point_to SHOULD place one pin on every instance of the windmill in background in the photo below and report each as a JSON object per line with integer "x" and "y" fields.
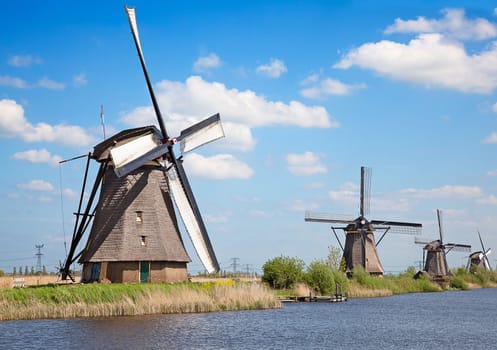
{"x": 480, "y": 258}
{"x": 360, "y": 245}
{"x": 135, "y": 235}
{"x": 435, "y": 252}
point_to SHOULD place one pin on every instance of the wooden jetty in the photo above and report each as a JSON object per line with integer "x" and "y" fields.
{"x": 334, "y": 298}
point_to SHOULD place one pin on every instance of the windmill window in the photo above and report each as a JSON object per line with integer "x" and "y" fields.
{"x": 143, "y": 240}
{"x": 139, "y": 217}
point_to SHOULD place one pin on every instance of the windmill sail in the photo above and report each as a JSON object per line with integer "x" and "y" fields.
{"x": 193, "y": 137}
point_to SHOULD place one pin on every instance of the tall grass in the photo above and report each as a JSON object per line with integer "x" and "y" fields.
{"x": 97, "y": 300}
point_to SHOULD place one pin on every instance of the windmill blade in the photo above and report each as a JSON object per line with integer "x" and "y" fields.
{"x": 488, "y": 252}
{"x": 408, "y": 228}
{"x": 481, "y": 241}
{"x": 131, "y": 155}
{"x": 458, "y": 247}
{"x": 206, "y": 131}
{"x": 423, "y": 241}
{"x": 440, "y": 225}
{"x": 130, "y": 12}
{"x": 329, "y": 218}
{"x": 365, "y": 191}
{"x": 190, "y": 215}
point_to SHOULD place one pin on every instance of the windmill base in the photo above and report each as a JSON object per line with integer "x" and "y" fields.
{"x": 134, "y": 272}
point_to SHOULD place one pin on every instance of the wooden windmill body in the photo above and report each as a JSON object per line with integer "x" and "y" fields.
{"x": 360, "y": 244}
{"x": 435, "y": 253}
{"x": 135, "y": 236}
{"x": 479, "y": 258}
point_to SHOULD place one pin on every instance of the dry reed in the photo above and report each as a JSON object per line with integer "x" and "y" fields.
{"x": 70, "y": 301}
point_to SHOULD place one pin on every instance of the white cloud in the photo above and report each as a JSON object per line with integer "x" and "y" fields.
{"x": 187, "y": 103}
{"x": 36, "y": 185}
{"x": 205, "y": 63}
{"x": 50, "y": 84}
{"x": 492, "y": 173}
{"x": 448, "y": 191}
{"x": 14, "y": 82}
{"x": 494, "y": 107}
{"x": 274, "y": 69}
{"x": 454, "y": 24}
{"x": 492, "y": 138}
{"x": 429, "y": 59}
{"x": 305, "y": 164}
{"x": 325, "y": 87}
{"x": 14, "y": 124}
{"x": 79, "y": 80}
{"x": 218, "y": 167}
{"x": 23, "y": 60}
{"x": 38, "y": 156}
{"x": 217, "y": 219}
{"x": 487, "y": 200}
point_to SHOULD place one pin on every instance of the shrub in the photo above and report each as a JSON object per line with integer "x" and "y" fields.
{"x": 283, "y": 272}
{"x": 320, "y": 277}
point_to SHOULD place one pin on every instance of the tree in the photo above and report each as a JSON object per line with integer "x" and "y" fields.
{"x": 26, "y": 271}
{"x": 320, "y": 277}
{"x": 334, "y": 259}
{"x": 44, "y": 270}
{"x": 283, "y": 272}
{"x": 15, "y": 271}
{"x": 20, "y": 270}
{"x": 2, "y": 273}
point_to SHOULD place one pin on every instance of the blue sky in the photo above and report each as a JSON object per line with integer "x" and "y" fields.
{"x": 308, "y": 91}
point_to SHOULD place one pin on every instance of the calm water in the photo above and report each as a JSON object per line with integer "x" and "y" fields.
{"x": 449, "y": 320}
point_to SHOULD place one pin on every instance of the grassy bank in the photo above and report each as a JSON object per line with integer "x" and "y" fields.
{"x": 363, "y": 285}
{"x": 99, "y": 300}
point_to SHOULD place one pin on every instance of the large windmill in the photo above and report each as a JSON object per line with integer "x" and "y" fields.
{"x": 435, "y": 252}
{"x": 480, "y": 258}
{"x": 360, "y": 245}
{"x": 134, "y": 233}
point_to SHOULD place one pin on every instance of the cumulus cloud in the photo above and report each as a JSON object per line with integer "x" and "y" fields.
{"x": 23, "y": 60}
{"x": 38, "y": 156}
{"x": 430, "y": 60}
{"x": 492, "y": 138}
{"x": 436, "y": 57}
{"x": 205, "y": 63}
{"x": 187, "y": 103}
{"x": 218, "y": 167}
{"x": 13, "y": 82}
{"x": 320, "y": 88}
{"x": 37, "y": 185}
{"x": 305, "y": 164}
{"x": 274, "y": 69}
{"x": 13, "y": 124}
{"x": 494, "y": 107}
{"x": 448, "y": 191}
{"x": 453, "y": 24}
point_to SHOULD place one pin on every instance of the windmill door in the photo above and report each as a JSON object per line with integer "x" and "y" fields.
{"x": 144, "y": 271}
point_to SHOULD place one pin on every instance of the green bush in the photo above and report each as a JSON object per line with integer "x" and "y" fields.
{"x": 283, "y": 272}
{"x": 320, "y": 277}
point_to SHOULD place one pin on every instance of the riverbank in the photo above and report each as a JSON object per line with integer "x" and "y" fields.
{"x": 104, "y": 300}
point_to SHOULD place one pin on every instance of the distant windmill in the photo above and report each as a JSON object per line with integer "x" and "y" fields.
{"x": 360, "y": 246}
{"x": 435, "y": 252}
{"x": 135, "y": 234}
{"x": 480, "y": 258}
